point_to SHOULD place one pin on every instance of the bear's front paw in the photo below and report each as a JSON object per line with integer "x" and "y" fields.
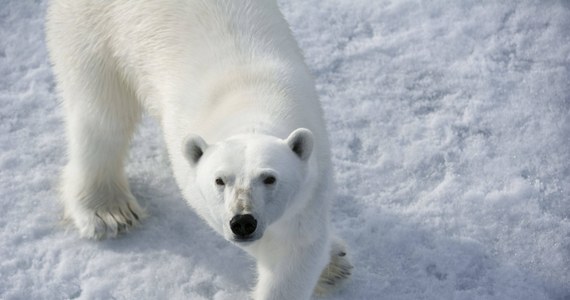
{"x": 108, "y": 222}
{"x": 336, "y": 272}
{"x": 101, "y": 215}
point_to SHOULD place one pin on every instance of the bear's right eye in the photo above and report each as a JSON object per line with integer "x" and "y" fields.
{"x": 269, "y": 180}
{"x": 220, "y": 182}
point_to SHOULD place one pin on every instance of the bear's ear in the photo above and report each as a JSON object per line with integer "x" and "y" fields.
{"x": 301, "y": 143}
{"x": 194, "y": 147}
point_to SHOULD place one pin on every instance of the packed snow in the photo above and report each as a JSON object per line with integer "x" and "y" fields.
{"x": 450, "y": 128}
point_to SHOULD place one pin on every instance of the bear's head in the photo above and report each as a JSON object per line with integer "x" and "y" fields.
{"x": 244, "y": 184}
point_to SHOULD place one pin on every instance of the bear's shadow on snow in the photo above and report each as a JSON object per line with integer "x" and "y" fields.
{"x": 393, "y": 256}
{"x": 173, "y": 227}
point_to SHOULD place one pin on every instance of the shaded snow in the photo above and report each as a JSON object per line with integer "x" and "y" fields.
{"x": 450, "y": 125}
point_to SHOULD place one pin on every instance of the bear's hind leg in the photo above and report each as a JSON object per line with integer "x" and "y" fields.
{"x": 101, "y": 115}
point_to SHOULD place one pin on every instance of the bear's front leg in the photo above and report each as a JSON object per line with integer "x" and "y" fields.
{"x": 337, "y": 271}
{"x": 100, "y": 118}
{"x": 290, "y": 273}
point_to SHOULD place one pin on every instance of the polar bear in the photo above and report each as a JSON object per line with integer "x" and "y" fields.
{"x": 240, "y": 116}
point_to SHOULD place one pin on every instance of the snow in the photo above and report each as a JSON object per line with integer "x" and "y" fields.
{"x": 450, "y": 126}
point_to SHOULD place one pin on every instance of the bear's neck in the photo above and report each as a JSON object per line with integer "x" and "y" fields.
{"x": 260, "y": 97}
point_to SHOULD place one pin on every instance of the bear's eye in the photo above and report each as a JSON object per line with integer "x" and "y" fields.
{"x": 269, "y": 180}
{"x": 220, "y": 182}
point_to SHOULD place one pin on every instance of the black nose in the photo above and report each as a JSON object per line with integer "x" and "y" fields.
{"x": 243, "y": 225}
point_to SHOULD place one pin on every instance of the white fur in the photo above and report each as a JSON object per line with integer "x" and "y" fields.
{"x": 228, "y": 83}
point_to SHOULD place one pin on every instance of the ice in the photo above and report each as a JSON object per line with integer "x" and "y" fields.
{"x": 450, "y": 128}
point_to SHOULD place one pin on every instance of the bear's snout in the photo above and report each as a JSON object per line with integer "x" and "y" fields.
{"x": 243, "y": 226}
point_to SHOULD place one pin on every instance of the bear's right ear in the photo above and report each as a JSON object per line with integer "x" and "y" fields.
{"x": 194, "y": 147}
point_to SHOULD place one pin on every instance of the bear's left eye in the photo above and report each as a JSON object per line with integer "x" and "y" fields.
{"x": 220, "y": 182}
{"x": 269, "y": 180}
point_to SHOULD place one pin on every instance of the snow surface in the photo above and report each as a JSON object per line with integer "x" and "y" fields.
{"x": 450, "y": 125}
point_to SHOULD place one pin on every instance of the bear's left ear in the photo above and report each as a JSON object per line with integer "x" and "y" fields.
{"x": 194, "y": 148}
{"x": 301, "y": 143}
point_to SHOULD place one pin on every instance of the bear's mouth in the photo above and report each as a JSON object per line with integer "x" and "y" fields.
{"x": 245, "y": 240}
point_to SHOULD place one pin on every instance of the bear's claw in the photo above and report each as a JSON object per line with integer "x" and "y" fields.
{"x": 108, "y": 223}
{"x": 108, "y": 220}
